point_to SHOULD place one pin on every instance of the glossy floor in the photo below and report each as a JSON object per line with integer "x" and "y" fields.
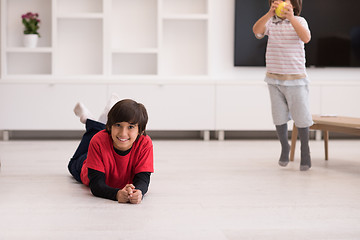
{"x": 201, "y": 190}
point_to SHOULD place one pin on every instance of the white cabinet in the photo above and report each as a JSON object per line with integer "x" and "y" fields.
{"x": 106, "y": 38}
{"x": 48, "y": 106}
{"x": 173, "y": 107}
{"x": 78, "y": 32}
{"x": 15, "y": 59}
{"x": 315, "y": 99}
{"x": 134, "y": 35}
{"x": 243, "y": 107}
{"x": 154, "y": 51}
{"x": 341, "y": 100}
{"x": 248, "y": 107}
{"x": 78, "y": 51}
{"x": 91, "y": 48}
{"x": 184, "y": 48}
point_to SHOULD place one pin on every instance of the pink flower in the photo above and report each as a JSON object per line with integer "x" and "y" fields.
{"x": 31, "y": 23}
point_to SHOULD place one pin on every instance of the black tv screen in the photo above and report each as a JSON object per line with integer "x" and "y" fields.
{"x": 334, "y": 26}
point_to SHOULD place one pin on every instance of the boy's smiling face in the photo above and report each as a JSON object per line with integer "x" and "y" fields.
{"x": 124, "y": 135}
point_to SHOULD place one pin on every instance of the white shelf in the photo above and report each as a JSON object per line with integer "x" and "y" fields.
{"x": 134, "y": 63}
{"x": 185, "y": 7}
{"x": 13, "y": 28}
{"x": 79, "y": 6}
{"x": 31, "y": 63}
{"x": 129, "y": 30}
{"x": 154, "y": 51}
{"x": 81, "y": 16}
{"x": 186, "y": 17}
{"x": 136, "y": 50}
{"x": 106, "y": 38}
{"x": 79, "y": 52}
{"x": 28, "y": 50}
{"x": 184, "y": 48}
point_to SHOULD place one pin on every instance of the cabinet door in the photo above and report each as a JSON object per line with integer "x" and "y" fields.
{"x": 173, "y": 107}
{"x": 243, "y": 107}
{"x": 47, "y": 106}
{"x": 341, "y": 100}
{"x": 315, "y": 99}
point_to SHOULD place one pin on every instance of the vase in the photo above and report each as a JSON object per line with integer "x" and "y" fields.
{"x": 30, "y": 40}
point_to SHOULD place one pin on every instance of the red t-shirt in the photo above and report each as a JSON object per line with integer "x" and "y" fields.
{"x": 119, "y": 170}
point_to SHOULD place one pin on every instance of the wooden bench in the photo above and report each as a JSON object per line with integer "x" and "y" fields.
{"x": 326, "y": 124}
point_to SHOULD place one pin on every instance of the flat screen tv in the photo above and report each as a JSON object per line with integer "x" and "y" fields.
{"x": 334, "y": 26}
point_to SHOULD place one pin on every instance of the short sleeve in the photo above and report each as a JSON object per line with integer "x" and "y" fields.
{"x": 267, "y": 27}
{"x": 94, "y": 157}
{"x": 145, "y": 160}
{"x": 303, "y": 22}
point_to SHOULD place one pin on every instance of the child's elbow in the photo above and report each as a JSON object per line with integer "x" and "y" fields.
{"x": 258, "y": 35}
{"x": 306, "y": 40}
{"x": 257, "y": 32}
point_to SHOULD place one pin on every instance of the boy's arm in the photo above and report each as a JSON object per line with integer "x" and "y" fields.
{"x": 259, "y": 27}
{"x": 141, "y": 181}
{"x": 301, "y": 31}
{"x": 98, "y": 186}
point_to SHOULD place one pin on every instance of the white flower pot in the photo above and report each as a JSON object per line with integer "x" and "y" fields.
{"x": 30, "y": 40}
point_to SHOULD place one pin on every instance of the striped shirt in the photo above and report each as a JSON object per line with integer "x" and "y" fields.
{"x": 285, "y": 53}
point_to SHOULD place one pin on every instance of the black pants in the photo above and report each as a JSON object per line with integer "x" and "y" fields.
{"x": 76, "y": 162}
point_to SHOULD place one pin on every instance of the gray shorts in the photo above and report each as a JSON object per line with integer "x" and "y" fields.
{"x": 290, "y": 102}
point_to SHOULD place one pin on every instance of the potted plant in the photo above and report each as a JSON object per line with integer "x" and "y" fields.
{"x": 31, "y": 23}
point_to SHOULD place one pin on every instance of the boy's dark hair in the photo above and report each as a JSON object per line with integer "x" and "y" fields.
{"x": 128, "y": 110}
{"x": 297, "y": 5}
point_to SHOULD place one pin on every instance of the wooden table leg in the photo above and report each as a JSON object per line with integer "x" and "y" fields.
{"x": 293, "y": 142}
{"x": 326, "y": 144}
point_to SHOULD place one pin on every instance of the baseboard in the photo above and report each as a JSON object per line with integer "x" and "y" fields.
{"x": 40, "y": 135}
{"x": 157, "y": 135}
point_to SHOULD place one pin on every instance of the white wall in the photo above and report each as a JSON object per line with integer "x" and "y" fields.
{"x": 238, "y": 94}
{"x": 332, "y": 90}
{"x": 0, "y": 39}
{"x": 221, "y": 48}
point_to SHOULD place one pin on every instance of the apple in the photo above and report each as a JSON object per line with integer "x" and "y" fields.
{"x": 279, "y": 9}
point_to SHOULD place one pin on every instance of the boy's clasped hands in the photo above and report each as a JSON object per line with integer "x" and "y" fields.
{"x": 129, "y": 194}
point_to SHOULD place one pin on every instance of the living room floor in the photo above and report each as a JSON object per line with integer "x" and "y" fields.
{"x": 230, "y": 189}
